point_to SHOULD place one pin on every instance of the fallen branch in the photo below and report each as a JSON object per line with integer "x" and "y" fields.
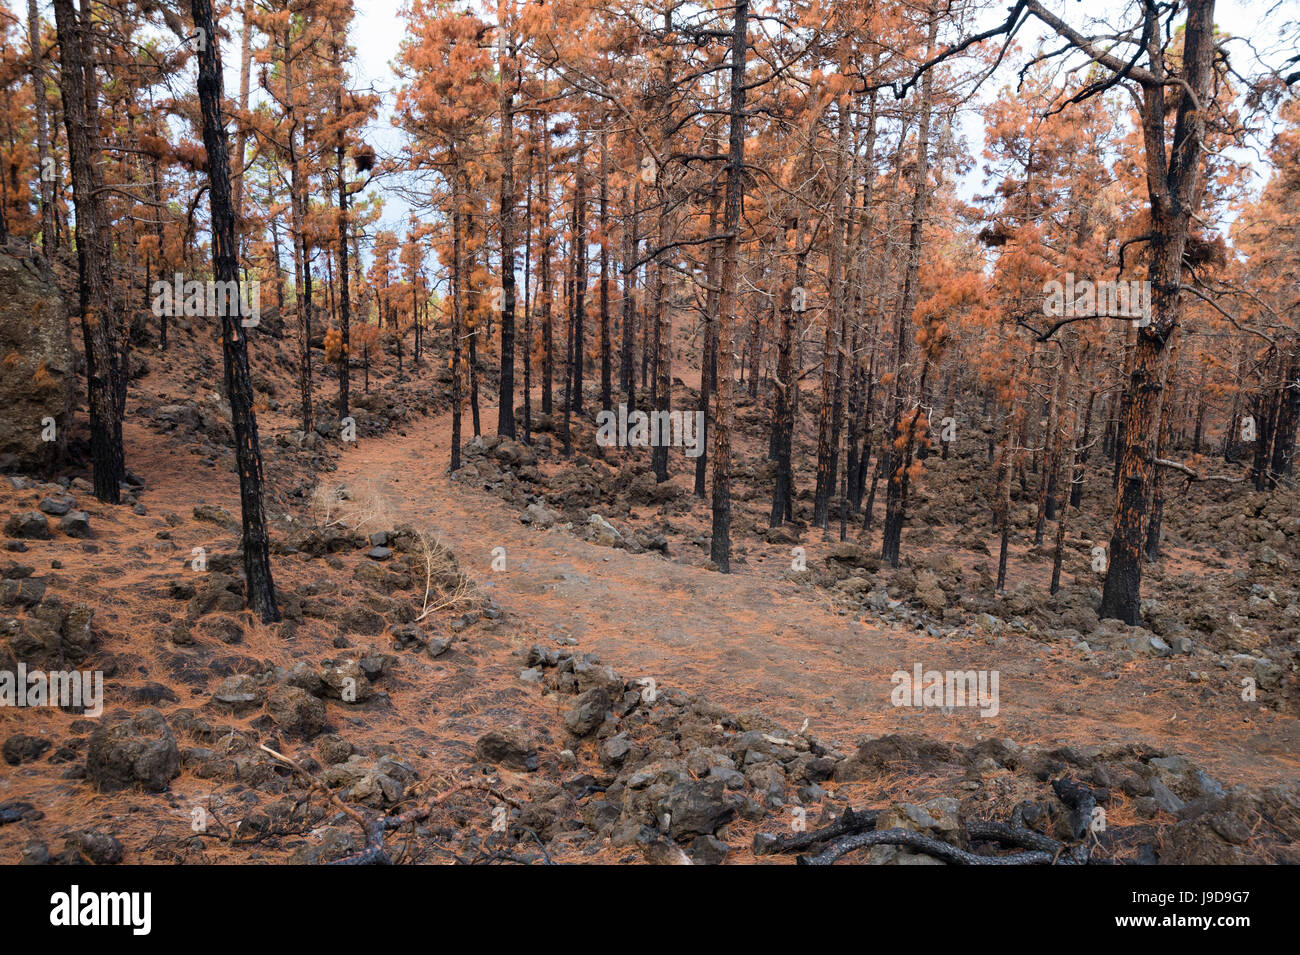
{"x": 1196, "y": 475}
{"x": 849, "y": 823}
{"x": 920, "y": 843}
{"x": 856, "y": 829}
{"x": 1010, "y": 835}
{"x": 374, "y": 827}
{"x": 374, "y": 852}
{"x": 1081, "y": 801}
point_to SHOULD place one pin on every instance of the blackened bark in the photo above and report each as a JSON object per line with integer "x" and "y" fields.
{"x": 457, "y": 318}
{"x": 831, "y": 342}
{"x": 783, "y": 417}
{"x": 606, "y": 371}
{"x": 234, "y": 344}
{"x": 1173, "y": 187}
{"x": 1288, "y": 418}
{"x": 720, "y": 545}
{"x": 708, "y": 363}
{"x": 548, "y": 330}
{"x": 899, "y": 437}
{"x": 579, "y": 301}
{"x": 105, "y": 377}
{"x": 506, "y": 397}
{"x": 627, "y": 382}
{"x": 345, "y": 296}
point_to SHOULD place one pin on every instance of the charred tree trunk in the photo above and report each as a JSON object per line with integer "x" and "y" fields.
{"x": 234, "y": 343}
{"x": 1288, "y": 418}
{"x": 49, "y": 232}
{"x": 578, "y": 314}
{"x": 627, "y": 379}
{"x": 1173, "y": 191}
{"x": 105, "y": 377}
{"x": 606, "y": 371}
{"x": 831, "y": 344}
{"x": 709, "y": 361}
{"x": 529, "y": 304}
{"x": 506, "y": 396}
{"x": 457, "y": 316}
{"x": 345, "y": 295}
{"x": 548, "y": 330}
{"x": 720, "y": 545}
{"x": 900, "y": 440}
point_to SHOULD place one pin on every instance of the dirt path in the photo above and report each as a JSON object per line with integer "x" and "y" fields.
{"x": 754, "y": 640}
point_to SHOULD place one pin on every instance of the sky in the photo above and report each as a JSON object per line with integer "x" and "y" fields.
{"x": 378, "y": 30}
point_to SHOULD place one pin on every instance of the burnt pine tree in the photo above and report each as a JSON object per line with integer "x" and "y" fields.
{"x": 1173, "y": 174}
{"x": 234, "y": 343}
{"x": 506, "y": 401}
{"x": 1165, "y": 83}
{"x": 105, "y": 377}
{"x": 345, "y": 293}
{"x": 49, "y": 233}
{"x": 720, "y": 545}
{"x": 900, "y": 435}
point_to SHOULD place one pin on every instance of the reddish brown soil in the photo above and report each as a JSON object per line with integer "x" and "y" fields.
{"x": 755, "y": 640}
{"x": 752, "y": 640}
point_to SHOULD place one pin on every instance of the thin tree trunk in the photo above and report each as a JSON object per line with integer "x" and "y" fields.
{"x": 506, "y": 397}
{"x": 234, "y": 343}
{"x": 720, "y": 545}
{"x": 345, "y": 295}
{"x": 104, "y": 375}
{"x": 896, "y": 490}
{"x": 831, "y": 343}
{"x": 579, "y": 300}
{"x": 606, "y": 372}
{"x": 49, "y": 232}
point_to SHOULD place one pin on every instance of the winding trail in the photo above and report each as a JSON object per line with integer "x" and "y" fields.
{"x": 753, "y": 640}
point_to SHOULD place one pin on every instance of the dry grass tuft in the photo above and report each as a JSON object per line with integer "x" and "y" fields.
{"x": 445, "y": 587}
{"x": 362, "y": 507}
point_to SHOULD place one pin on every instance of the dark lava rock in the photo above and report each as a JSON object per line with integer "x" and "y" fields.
{"x": 21, "y": 748}
{"x": 708, "y": 850}
{"x": 239, "y": 692}
{"x": 56, "y": 506}
{"x": 29, "y": 525}
{"x": 696, "y": 808}
{"x": 27, "y": 592}
{"x": 75, "y": 524}
{"x": 133, "y": 750}
{"x": 296, "y": 711}
{"x": 588, "y": 713}
{"x": 97, "y": 847}
{"x": 511, "y": 747}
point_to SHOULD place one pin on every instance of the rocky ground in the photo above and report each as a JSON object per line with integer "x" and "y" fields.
{"x": 531, "y": 661}
{"x": 1222, "y": 605}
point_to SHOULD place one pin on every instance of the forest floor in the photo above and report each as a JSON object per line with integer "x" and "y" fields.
{"x": 774, "y": 689}
{"x": 752, "y": 639}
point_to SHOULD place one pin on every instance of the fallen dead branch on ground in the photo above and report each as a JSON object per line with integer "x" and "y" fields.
{"x": 856, "y": 829}
{"x": 374, "y": 827}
